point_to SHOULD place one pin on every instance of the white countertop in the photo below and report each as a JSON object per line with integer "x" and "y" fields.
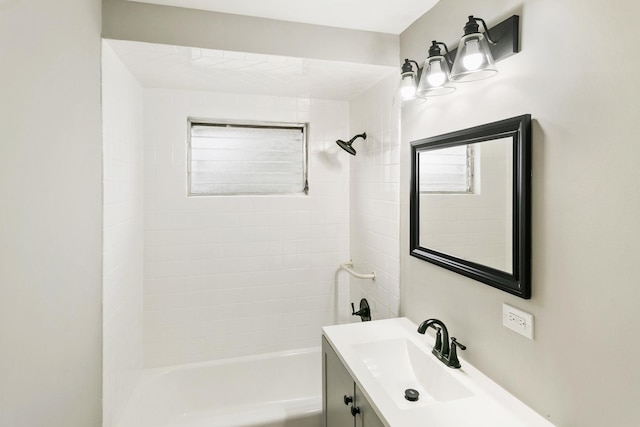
{"x": 485, "y": 404}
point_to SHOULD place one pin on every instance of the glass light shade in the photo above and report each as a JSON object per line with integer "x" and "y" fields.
{"x": 407, "y": 86}
{"x": 474, "y": 60}
{"x": 434, "y": 78}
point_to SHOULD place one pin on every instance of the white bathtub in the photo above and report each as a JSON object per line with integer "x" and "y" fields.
{"x": 272, "y": 390}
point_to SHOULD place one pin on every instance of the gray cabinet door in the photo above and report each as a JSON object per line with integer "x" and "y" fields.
{"x": 367, "y": 416}
{"x": 336, "y": 384}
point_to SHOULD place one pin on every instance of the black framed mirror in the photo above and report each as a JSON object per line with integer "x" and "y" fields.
{"x": 471, "y": 203}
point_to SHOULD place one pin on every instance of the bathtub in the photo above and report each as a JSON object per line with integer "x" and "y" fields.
{"x": 272, "y": 390}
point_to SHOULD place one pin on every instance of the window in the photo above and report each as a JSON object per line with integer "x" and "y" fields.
{"x": 446, "y": 170}
{"x": 247, "y": 158}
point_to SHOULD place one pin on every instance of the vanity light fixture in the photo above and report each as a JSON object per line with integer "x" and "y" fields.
{"x": 475, "y": 59}
{"x": 477, "y": 52}
{"x": 435, "y": 73}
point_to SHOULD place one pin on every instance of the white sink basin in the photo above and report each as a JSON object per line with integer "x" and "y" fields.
{"x": 386, "y": 357}
{"x": 398, "y": 364}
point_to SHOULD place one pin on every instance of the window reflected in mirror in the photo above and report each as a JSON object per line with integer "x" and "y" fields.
{"x": 465, "y": 210}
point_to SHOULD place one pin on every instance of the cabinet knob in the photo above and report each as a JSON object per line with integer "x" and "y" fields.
{"x": 347, "y": 399}
{"x": 355, "y": 410}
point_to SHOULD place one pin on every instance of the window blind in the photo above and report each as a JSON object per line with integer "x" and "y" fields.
{"x": 247, "y": 159}
{"x": 446, "y": 170}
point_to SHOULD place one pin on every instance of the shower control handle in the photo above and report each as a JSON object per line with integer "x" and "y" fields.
{"x": 364, "y": 312}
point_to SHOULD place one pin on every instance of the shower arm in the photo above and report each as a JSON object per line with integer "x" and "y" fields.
{"x": 362, "y": 135}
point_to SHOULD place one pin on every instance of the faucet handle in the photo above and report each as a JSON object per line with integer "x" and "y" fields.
{"x": 453, "y": 361}
{"x": 454, "y": 342}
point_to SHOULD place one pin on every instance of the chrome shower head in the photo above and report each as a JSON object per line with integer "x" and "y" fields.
{"x": 346, "y": 146}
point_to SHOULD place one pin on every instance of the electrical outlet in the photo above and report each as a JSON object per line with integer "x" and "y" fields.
{"x": 517, "y": 320}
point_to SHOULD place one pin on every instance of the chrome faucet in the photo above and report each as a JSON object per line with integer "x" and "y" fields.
{"x": 441, "y": 349}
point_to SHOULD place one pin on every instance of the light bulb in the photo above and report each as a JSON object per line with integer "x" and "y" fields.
{"x": 407, "y": 87}
{"x": 407, "y": 92}
{"x": 473, "y": 59}
{"x": 436, "y": 76}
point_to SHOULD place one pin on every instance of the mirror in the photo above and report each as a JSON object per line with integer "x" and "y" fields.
{"x": 470, "y": 203}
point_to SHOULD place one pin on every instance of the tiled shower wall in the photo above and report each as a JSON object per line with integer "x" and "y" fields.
{"x": 375, "y": 196}
{"x": 122, "y": 99}
{"x": 234, "y": 275}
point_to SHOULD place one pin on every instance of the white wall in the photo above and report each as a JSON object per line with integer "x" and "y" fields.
{"x": 234, "y": 275}
{"x": 374, "y": 201}
{"x": 50, "y": 225}
{"x": 573, "y": 75}
{"x": 191, "y": 307}
{"x": 123, "y": 234}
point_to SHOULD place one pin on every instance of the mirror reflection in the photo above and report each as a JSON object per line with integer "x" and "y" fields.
{"x": 465, "y": 203}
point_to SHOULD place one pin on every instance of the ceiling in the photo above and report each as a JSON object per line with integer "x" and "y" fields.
{"x": 177, "y": 67}
{"x": 386, "y": 16}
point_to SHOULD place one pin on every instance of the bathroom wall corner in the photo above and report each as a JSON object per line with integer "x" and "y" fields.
{"x": 375, "y": 196}
{"x": 123, "y": 235}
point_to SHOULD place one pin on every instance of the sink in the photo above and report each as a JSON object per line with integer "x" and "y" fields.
{"x": 386, "y": 357}
{"x": 398, "y": 364}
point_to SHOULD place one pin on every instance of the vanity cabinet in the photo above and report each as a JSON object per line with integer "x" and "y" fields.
{"x": 343, "y": 403}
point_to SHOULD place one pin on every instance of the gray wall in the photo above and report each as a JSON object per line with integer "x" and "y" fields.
{"x": 577, "y": 76}
{"x": 50, "y": 222}
{"x": 126, "y": 20}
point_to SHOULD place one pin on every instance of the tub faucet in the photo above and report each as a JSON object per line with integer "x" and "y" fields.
{"x": 441, "y": 349}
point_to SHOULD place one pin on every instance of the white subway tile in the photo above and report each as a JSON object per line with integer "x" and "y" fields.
{"x": 243, "y": 256}
{"x": 123, "y": 235}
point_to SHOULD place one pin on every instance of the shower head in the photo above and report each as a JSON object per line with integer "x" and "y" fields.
{"x": 346, "y": 146}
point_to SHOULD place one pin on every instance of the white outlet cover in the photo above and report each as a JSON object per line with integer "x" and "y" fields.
{"x": 517, "y": 320}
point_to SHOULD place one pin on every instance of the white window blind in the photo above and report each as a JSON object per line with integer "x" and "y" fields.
{"x": 247, "y": 159}
{"x": 446, "y": 170}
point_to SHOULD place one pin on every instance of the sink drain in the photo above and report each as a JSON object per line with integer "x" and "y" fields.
{"x": 411, "y": 395}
